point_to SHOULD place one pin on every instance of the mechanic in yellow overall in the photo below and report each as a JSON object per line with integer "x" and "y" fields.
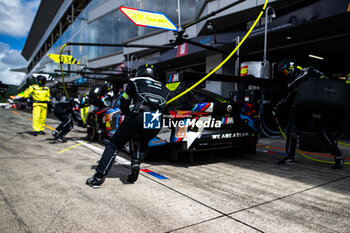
{"x": 41, "y": 96}
{"x": 84, "y": 108}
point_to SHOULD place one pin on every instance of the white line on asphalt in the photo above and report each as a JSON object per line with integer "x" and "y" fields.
{"x": 100, "y": 151}
{"x": 119, "y": 159}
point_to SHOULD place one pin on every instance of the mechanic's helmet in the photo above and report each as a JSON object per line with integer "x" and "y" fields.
{"x": 108, "y": 86}
{"x": 85, "y": 99}
{"x": 287, "y": 68}
{"x": 41, "y": 80}
{"x": 147, "y": 70}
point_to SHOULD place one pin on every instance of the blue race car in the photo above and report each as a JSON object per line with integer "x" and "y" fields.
{"x": 199, "y": 120}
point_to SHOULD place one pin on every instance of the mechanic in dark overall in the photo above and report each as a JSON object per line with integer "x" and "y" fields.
{"x": 62, "y": 112}
{"x": 105, "y": 95}
{"x": 295, "y": 75}
{"x": 149, "y": 96}
{"x": 100, "y": 96}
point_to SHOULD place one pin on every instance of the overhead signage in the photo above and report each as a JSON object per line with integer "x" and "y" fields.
{"x": 148, "y": 18}
{"x": 65, "y": 59}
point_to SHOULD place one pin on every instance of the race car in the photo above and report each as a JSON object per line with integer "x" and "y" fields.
{"x": 199, "y": 120}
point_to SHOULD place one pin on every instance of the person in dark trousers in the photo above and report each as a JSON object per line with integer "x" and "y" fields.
{"x": 295, "y": 75}
{"x": 149, "y": 98}
{"x": 62, "y": 112}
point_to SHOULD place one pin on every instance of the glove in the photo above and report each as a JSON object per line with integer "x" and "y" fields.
{"x": 49, "y": 107}
{"x": 15, "y": 97}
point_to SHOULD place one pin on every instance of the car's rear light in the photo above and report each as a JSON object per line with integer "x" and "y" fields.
{"x": 247, "y": 108}
{"x": 180, "y": 114}
{"x": 187, "y": 114}
{"x": 200, "y": 114}
{"x": 101, "y": 111}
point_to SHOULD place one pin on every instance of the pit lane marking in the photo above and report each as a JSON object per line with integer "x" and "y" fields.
{"x": 17, "y": 113}
{"x": 31, "y": 119}
{"x": 121, "y": 160}
{"x": 49, "y": 127}
{"x": 100, "y": 151}
{"x": 71, "y": 147}
{"x": 306, "y": 152}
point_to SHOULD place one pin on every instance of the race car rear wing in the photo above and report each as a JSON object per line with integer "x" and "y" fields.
{"x": 180, "y": 81}
{"x": 195, "y": 76}
{"x": 105, "y": 75}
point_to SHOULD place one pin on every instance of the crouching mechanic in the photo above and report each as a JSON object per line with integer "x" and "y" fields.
{"x": 41, "y": 96}
{"x": 295, "y": 75}
{"x": 149, "y": 96}
{"x": 84, "y": 108}
{"x": 62, "y": 112}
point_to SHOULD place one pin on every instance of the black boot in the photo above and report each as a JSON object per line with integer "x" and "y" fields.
{"x": 96, "y": 180}
{"x": 54, "y": 133}
{"x": 338, "y": 162}
{"x": 287, "y": 160}
{"x": 60, "y": 139}
{"x": 135, "y": 169}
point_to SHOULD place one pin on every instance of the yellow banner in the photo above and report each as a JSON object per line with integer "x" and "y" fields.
{"x": 65, "y": 59}
{"x": 148, "y": 18}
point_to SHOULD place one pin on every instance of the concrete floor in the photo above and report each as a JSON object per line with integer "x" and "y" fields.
{"x": 42, "y": 189}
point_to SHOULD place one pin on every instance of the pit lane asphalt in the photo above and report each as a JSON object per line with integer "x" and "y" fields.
{"x": 42, "y": 189}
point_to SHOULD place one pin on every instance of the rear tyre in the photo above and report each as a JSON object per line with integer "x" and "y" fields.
{"x": 268, "y": 124}
{"x": 311, "y": 142}
{"x": 92, "y": 128}
{"x": 329, "y": 96}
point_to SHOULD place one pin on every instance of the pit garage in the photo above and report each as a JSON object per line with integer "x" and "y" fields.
{"x": 43, "y": 186}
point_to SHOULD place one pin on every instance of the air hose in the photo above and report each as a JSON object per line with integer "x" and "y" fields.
{"x": 63, "y": 83}
{"x": 344, "y": 144}
{"x": 301, "y": 153}
{"x": 224, "y": 61}
{"x": 265, "y": 129}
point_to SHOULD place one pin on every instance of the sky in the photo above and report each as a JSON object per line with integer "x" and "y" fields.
{"x": 16, "y": 17}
